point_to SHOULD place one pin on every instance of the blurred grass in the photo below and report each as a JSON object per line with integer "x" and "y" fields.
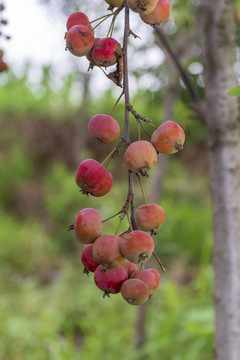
{"x": 49, "y": 309}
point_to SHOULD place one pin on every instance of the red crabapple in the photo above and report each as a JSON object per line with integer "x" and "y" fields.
{"x": 129, "y": 267}
{"x": 110, "y": 280}
{"x": 89, "y": 57}
{"x": 105, "y": 51}
{"x": 142, "y": 6}
{"x": 88, "y": 225}
{"x": 168, "y": 138}
{"x": 88, "y": 261}
{"x": 150, "y": 216}
{"x": 140, "y": 157}
{"x": 137, "y": 246}
{"x": 78, "y": 18}
{"x": 93, "y": 178}
{"x": 104, "y": 128}
{"x": 160, "y": 13}
{"x": 150, "y": 277}
{"x": 114, "y": 3}
{"x": 3, "y": 65}
{"x": 79, "y": 40}
{"x": 106, "y": 250}
{"x": 135, "y": 291}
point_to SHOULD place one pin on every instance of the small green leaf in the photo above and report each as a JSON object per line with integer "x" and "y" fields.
{"x": 235, "y": 91}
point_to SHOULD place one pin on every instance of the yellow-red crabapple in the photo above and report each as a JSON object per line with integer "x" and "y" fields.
{"x": 142, "y": 6}
{"x": 135, "y": 291}
{"x": 160, "y": 13}
{"x": 137, "y": 246}
{"x": 106, "y": 250}
{"x": 78, "y": 18}
{"x": 88, "y": 225}
{"x": 140, "y": 157}
{"x": 129, "y": 267}
{"x": 150, "y": 216}
{"x": 114, "y": 3}
{"x": 168, "y": 138}
{"x": 79, "y": 40}
{"x": 150, "y": 277}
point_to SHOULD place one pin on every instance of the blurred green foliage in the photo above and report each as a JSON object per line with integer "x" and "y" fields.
{"x": 48, "y": 308}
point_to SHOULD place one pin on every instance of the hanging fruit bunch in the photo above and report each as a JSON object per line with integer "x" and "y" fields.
{"x": 117, "y": 260}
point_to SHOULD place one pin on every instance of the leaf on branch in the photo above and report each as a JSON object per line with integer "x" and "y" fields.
{"x": 235, "y": 91}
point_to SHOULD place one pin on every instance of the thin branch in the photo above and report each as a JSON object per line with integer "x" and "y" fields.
{"x": 159, "y": 262}
{"x": 184, "y": 75}
{"x": 127, "y": 103}
{"x": 133, "y": 34}
{"x": 145, "y": 130}
{"x": 140, "y": 117}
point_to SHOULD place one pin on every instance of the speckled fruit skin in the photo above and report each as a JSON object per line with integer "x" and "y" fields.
{"x": 137, "y": 246}
{"x": 106, "y": 250}
{"x": 78, "y": 18}
{"x": 110, "y": 280}
{"x": 93, "y": 178}
{"x": 168, "y": 138}
{"x": 160, "y": 13}
{"x": 150, "y": 277}
{"x": 104, "y": 51}
{"x": 140, "y": 156}
{"x": 104, "y": 128}
{"x": 88, "y": 225}
{"x": 115, "y": 3}
{"x": 142, "y": 6}
{"x": 150, "y": 216}
{"x": 88, "y": 261}
{"x": 135, "y": 291}
{"x": 79, "y": 40}
{"x": 129, "y": 267}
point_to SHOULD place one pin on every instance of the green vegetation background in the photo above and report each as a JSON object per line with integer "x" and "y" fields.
{"x": 49, "y": 309}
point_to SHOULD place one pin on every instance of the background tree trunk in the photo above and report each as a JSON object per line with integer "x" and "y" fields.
{"x": 219, "y": 53}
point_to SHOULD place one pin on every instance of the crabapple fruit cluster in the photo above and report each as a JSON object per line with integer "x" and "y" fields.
{"x": 117, "y": 259}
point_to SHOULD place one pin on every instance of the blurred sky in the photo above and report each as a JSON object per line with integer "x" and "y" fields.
{"x": 37, "y": 37}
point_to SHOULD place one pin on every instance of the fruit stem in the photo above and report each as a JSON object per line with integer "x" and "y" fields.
{"x": 129, "y": 221}
{"x": 140, "y": 270}
{"x": 159, "y": 262}
{"x": 101, "y": 17}
{"x": 114, "y": 107}
{"x": 111, "y": 217}
{"x": 141, "y": 186}
{"x": 100, "y": 22}
{"x": 144, "y": 130}
{"x": 120, "y": 222}
{"x": 114, "y": 151}
{"x": 71, "y": 227}
{"x": 138, "y": 127}
{"x": 178, "y": 147}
